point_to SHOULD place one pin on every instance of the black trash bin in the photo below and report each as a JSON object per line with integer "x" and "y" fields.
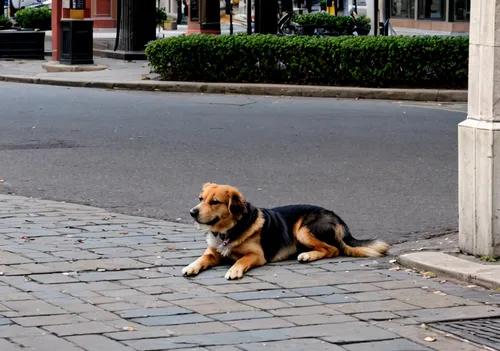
{"x": 77, "y": 42}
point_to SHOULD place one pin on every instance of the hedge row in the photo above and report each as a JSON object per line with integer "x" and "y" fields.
{"x": 34, "y": 18}
{"x": 430, "y": 62}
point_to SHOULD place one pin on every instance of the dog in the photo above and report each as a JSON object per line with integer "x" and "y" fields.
{"x": 253, "y": 236}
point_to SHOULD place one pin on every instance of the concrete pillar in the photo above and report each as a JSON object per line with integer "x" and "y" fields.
{"x": 479, "y": 136}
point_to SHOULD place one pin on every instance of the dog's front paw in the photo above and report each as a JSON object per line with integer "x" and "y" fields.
{"x": 191, "y": 270}
{"x": 304, "y": 257}
{"x": 234, "y": 273}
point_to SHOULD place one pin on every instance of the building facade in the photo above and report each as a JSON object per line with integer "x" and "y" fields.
{"x": 103, "y": 13}
{"x": 439, "y": 15}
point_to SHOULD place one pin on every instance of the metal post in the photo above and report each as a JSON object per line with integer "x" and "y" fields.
{"x": 230, "y": 17}
{"x": 249, "y": 17}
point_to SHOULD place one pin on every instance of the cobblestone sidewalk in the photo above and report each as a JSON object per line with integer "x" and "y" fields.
{"x": 80, "y": 278}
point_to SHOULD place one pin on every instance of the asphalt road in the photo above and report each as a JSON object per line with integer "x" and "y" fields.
{"x": 389, "y": 169}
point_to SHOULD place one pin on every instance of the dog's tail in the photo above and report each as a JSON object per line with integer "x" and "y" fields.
{"x": 359, "y": 248}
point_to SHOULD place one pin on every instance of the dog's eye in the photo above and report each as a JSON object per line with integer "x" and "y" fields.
{"x": 215, "y": 202}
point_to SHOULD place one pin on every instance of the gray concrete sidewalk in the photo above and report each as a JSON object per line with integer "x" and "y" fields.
{"x": 79, "y": 278}
{"x": 136, "y": 76}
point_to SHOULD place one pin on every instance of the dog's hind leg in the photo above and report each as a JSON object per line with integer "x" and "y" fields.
{"x": 319, "y": 249}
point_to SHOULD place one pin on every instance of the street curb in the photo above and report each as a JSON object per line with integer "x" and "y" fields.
{"x": 487, "y": 276}
{"x": 435, "y": 95}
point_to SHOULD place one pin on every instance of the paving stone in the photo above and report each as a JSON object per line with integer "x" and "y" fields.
{"x": 313, "y": 319}
{"x": 265, "y": 294}
{"x": 49, "y": 320}
{"x": 80, "y": 328}
{"x": 8, "y": 258}
{"x": 361, "y": 287}
{"x": 98, "y": 343}
{"x": 153, "y": 312}
{"x": 262, "y": 323}
{"x": 199, "y": 328}
{"x": 416, "y": 334}
{"x": 213, "y": 305}
{"x": 299, "y": 311}
{"x": 232, "y": 316}
{"x": 100, "y": 316}
{"x": 45, "y": 343}
{"x": 10, "y": 331}
{"x": 21, "y": 296}
{"x": 389, "y": 345}
{"x": 107, "y": 276}
{"x": 451, "y": 313}
{"x": 378, "y": 306}
{"x": 401, "y": 284}
{"x": 335, "y": 298}
{"x": 8, "y": 346}
{"x": 292, "y": 344}
{"x": 231, "y": 338}
{"x": 234, "y": 288}
{"x": 140, "y": 333}
{"x": 5, "y": 321}
{"x": 33, "y": 308}
{"x": 376, "y": 316}
{"x": 158, "y": 344}
{"x": 340, "y": 332}
{"x": 427, "y": 299}
{"x": 300, "y": 301}
{"x": 318, "y": 290}
{"x": 118, "y": 306}
{"x": 266, "y": 304}
{"x": 171, "y": 320}
{"x": 55, "y": 278}
{"x": 223, "y": 348}
{"x": 123, "y": 293}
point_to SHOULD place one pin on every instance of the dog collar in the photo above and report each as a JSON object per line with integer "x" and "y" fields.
{"x": 223, "y": 237}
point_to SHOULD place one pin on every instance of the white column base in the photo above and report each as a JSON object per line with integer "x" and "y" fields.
{"x": 479, "y": 187}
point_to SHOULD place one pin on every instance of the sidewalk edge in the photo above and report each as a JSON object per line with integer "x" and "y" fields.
{"x": 435, "y": 95}
{"x": 478, "y": 277}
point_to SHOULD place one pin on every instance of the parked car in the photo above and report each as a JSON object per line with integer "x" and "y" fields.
{"x": 21, "y": 4}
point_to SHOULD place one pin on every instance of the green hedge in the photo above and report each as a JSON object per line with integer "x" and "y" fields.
{"x": 5, "y": 22}
{"x": 34, "y": 18}
{"x": 352, "y": 61}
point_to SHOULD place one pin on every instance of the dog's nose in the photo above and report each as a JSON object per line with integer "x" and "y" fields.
{"x": 194, "y": 212}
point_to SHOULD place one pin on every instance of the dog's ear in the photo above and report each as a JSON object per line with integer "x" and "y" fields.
{"x": 237, "y": 205}
{"x": 206, "y": 185}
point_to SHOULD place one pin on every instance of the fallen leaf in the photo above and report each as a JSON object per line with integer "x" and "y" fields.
{"x": 129, "y": 328}
{"x": 396, "y": 268}
{"x": 430, "y": 339}
{"x": 124, "y": 233}
{"x": 430, "y": 275}
{"x": 2, "y": 181}
{"x": 439, "y": 293}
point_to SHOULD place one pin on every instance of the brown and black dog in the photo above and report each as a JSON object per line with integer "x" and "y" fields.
{"x": 252, "y": 236}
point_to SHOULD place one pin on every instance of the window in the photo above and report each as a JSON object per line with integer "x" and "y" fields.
{"x": 403, "y": 8}
{"x": 460, "y": 10}
{"x": 431, "y": 9}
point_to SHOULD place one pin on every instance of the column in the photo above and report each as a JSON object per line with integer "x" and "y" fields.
{"x": 479, "y": 137}
{"x": 137, "y": 25}
{"x": 56, "y": 29}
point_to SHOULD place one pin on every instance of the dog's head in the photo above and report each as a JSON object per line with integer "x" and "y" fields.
{"x": 220, "y": 207}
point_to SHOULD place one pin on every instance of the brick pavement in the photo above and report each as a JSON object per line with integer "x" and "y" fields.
{"x": 77, "y": 278}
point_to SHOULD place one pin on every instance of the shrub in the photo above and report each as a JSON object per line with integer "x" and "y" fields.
{"x": 161, "y": 16}
{"x": 34, "y": 18}
{"x": 342, "y": 25}
{"x": 352, "y": 61}
{"x": 5, "y": 22}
